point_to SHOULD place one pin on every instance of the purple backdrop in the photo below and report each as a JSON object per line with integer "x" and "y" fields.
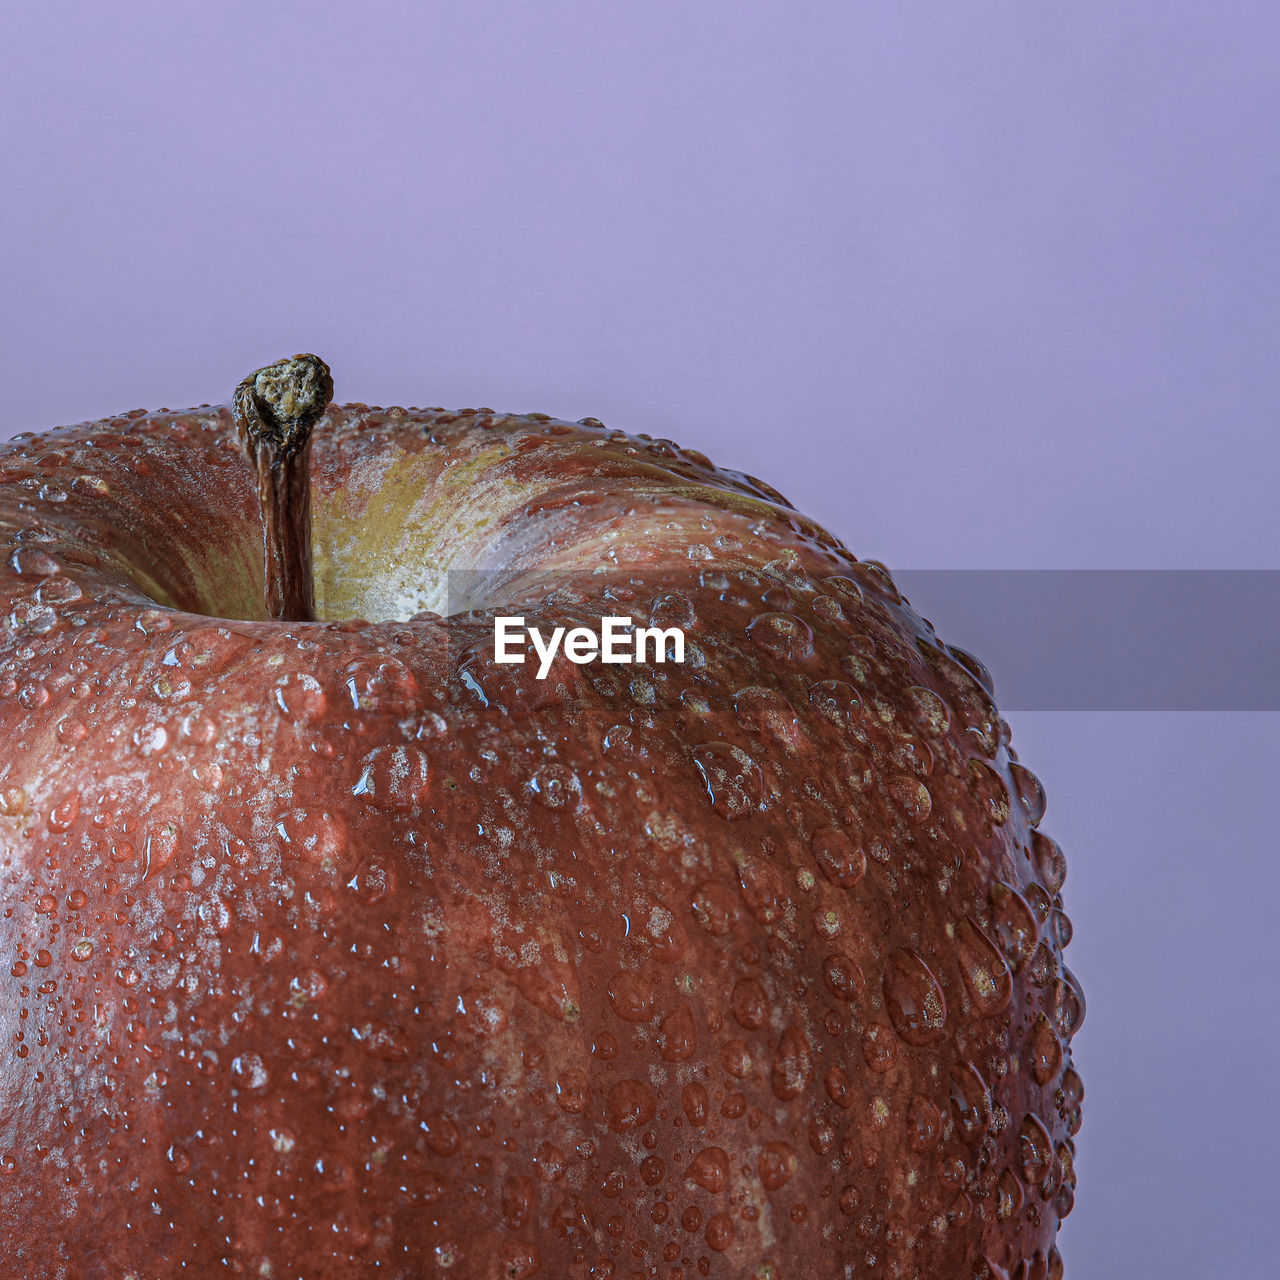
{"x": 981, "y": 285}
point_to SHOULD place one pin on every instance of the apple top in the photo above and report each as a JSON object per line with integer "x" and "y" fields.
{"x": 280, "y": 404}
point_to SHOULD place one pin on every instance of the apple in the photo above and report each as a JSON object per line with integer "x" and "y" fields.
{"x": 334, "y": 946}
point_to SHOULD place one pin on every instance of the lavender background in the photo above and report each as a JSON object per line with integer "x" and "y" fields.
{"x": 979, "y": 285}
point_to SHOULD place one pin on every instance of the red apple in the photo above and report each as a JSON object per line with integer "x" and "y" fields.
{"x": 333, "y": 947}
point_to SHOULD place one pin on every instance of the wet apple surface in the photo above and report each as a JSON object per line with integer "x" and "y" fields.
{"x": 334, "y": 948}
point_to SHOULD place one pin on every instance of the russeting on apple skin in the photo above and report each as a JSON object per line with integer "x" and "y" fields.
{"x": 335, "y": 949}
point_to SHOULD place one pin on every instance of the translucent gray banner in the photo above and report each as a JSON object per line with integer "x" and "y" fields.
{"x": 1113, "y": 639}
{"x": 1053, "y": 639}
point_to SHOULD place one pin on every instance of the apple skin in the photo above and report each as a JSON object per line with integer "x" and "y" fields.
{"x": 334, "y": 949}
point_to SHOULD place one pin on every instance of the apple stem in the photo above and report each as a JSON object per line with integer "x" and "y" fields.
{"x": 275, "y": 410}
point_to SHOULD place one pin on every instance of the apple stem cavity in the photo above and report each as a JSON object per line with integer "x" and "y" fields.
{"x": 275, "y": 410}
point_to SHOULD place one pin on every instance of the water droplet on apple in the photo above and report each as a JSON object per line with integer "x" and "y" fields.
{"x": 1046, "y": 1051}
{"x": 1065, "y": 1004}
{"x": 249, "y": 1071}
{"x": 573, "y": 1091}
{"x": 924, "y": 1124}
{"x": 777, "y": 1165}
{"x": 849, "y": 1202}
{"x": 652, "y": 1170}
{"x": 846, "y": 590}
{"x": 822, "y": 1138}
{"x": 1009, "y": 1198}
{"x": 622, "y": 740}
{"x": 34, "y": 696}
{"x": 735, "y": 1057}
{"x": 913, "y": 998}
{"x": 1051, "y": 863}
{"x": 62, "y": 816}
{"x": 928, "y": 711}
{"x": 709, "y": 1169}
{"x": 1061, "y": 928}
{"x": 839, "y": 1086}
{"x": 1030, "y": 792}
{"x": 971, "y": 1102}
{"x": 989, "y": 791}
{"x": 749, "y": 1004}
{"x": 556, "y": 786}
{"x": 1043, "y": 966}
{"x": 1014, "y": 924}
{"x": 317, "y": 836}
{"x": 1072, "y": 1097}
{"x": 971, "y": 703}
{"x": 550, "y": 1162}
{"x": 150, "y": 740}
{"x": 842, "y": 861}
{"x": 657, "y": 929}
{"x": 961, "y": 1210}
{"x": 879, "y": 1047}
{"x": 762, "y": 889}
{"x": 829, "y": 608}
{"x": 630, "y": 1105}
{"x": 393, "y": 777}
{"x": 951, "y": 1171}
{"x": 208, "y": 650}
{"x": 517, "y": 1200}
{"x": 695, "y": 1103}
{"x": 678, "y": 1035}
{"x": 33, "y": 562}
{"x": 1039, "y": 902}
{"x": 719, "y": 1232}
{"x": 766, "y": 713}
{"x": 732, "y": 778}
{"x": 58, "y": 590}
{"x": 441, "y": 1133}
{"x": 373, "y": 881}
{"x": 782, "y": 636}
{"x": 985, "y": 973}
{"x": 835, "y": 701}
{"x": 843, "y": 976}
{"x": 380, "y": 684}
{"x": 715, "y": 908}
{"x": 446, "y": 1254}
{"x": 1037, "y": 1153}
{"x": 671, "y": 609}
{"x": 307, "y": 986}
{"x": 160, "y": 845}
{"x": 875, "y": 578}
{"x": 382, "y": 1041}
{"x": 13, "y": 802}
{"x": 300, "y": 697}
{"x": 202, "y": 731}
{"x": 792, "y": 1065}
{"x": 631, "y": 997}
{"x": 912, "y": 797}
